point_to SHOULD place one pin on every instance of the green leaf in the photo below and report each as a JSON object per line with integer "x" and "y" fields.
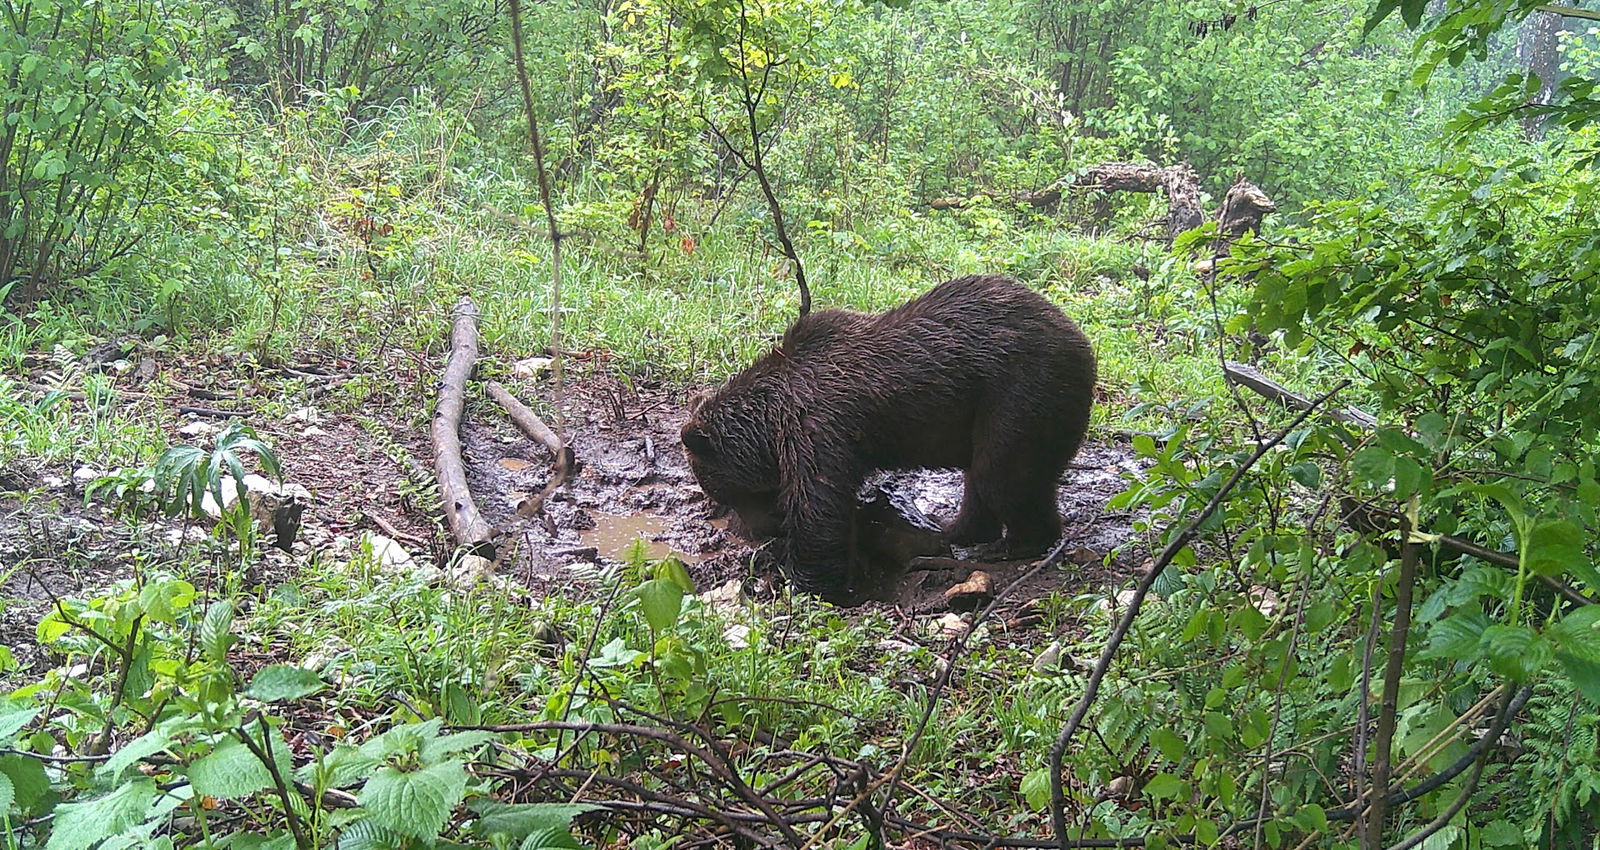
{"x": 1307, "y": 474}
{"x": 1553, "y": 547}
{"x": 29, "y": 781}
{"x": 1373, "y": 465}
{"x": 284, "y": 681}
{"x": 1036, "y": 789}
{"x": 78, "y": 826}
{"x": 551, "y": 839}
{"x": 366, "y": 835}
{"x": 1515, "y": 652}
{"x": 1501, "y": 833}
{"x": 662, "y": 601}
{"x": 148, "y": 744}
{"x": 1170, "y": 743}
{"x": 414, "y": 803}
{"x": 163, "y": 600}
{"x": 229, "y": 772}
{"x": 12, "y": 720}
{"x": 216, "y": 631}
{"x": 8, "y": 794}
{"x": 517, "y": 821}
{"x": 434, "y": 749}
{"x": 1458, "y": 636}
{"x": 1164, "y": 786}
{"x": 673, "y": 570}
{"x": 1584, "y": 673}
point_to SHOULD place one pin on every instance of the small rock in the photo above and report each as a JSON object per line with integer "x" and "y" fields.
{"x": 515, "y": 464}
{"x": 85, "y": 475}
{"x": 893, "y": 645}
{"x": 1265, "y": 599}
{"x": 531, "y": 366}
{"x": 952, "y": 626}
{"x": 468, "y": 570}
{"x": 1084, "y": 556}
{"x": 726, "y": 597}
{"x": 307, "y": 415}
{"x": 53, "y": 482}
{"x": 313, "y": 431}
{"x": 197, "y": 428}
{"x": 971, "y": 593}
{"x": 1048, "y": 662}
{"x": 1123, "y": 599}
{"x": 737, "y": 636}
{"x": 388, "y": 554}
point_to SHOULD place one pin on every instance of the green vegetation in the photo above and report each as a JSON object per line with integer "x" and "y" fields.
{"x": 240, "y": 189}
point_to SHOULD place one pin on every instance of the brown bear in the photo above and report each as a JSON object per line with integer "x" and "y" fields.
{"x": 980, "y": 374}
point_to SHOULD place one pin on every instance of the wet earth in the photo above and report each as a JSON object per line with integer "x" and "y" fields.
{"x": 370, "y": 474}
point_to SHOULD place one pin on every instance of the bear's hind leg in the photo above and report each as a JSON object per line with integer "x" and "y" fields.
{"x": 976, "y": 522}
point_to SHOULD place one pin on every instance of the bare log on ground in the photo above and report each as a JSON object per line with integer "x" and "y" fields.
{"x": 1250, "y": 378}
{"x": 534, "y": 427}
{"x": 529, "y": 422}
{"x": 467, "y": 526}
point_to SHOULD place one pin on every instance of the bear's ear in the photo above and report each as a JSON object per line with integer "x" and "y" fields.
{"x": 697, "y": 399}
{"x": 696, "y": 440}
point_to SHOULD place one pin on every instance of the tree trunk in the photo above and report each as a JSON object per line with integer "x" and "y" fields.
{"x": 1536, "y": 53}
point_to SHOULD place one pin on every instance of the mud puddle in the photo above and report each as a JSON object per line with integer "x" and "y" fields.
{"x": 615, "y": 537}
{"x": 635, "y": 484}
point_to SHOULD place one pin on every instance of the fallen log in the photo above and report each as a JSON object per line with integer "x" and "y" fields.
{"x": 534, "y": 427}
{"x": 1178, "y": 182}
{"x": 467, "y": 526}
{"x": 529, "y": 422}
{"x": 1249, "y": 377}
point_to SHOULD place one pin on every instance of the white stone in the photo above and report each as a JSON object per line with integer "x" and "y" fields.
{"x": 737, "y": 636}
{"x": 531, "y": 366}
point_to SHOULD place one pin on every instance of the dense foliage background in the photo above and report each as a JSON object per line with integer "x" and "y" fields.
{"x": 1362, "y": 605}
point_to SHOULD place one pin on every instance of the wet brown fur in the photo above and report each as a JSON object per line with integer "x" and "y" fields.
{"x": 980, "y": 374}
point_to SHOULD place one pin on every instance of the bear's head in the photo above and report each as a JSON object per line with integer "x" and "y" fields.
{"x": 730, "y": 445}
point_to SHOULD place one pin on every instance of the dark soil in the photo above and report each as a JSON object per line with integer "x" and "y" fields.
{"x": 635, "y": 482}
{"x": 373, "y": 474}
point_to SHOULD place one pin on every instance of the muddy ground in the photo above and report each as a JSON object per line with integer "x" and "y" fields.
{"x": 369, "y": 474}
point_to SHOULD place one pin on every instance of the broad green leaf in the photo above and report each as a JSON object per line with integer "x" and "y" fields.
{"x": 1373, "y": 465}
{"x": 519, "y": 820}
{"x": 162, "y": 600}
{"x": 1036, "y": 789}
{"x": 673, "y": 570}
{"x": 662, "y": 601}
{"x": 414, "y": 803}
{"x": 12, "y": 720}
{"x": 148, "y": 744}
{"x": 229, "y": 772}
{"x": 434, "y": 749}
{"x": 1164, "y": 786}
{"x": 1584, "y": 673}
{"x": 551, "y": 839}
{"x": 1515, "y": 652}
{"x": 283, "y": 681}
{"x": 366, "y": 835}
{"x": 1554, "y": 547}
{"x": 216, "y": 635}
{"x": 1307, "y": 474}
{"x": 29, "y": 781}
{"x": 1169, "y": 743}
{"x": 8, "y": 794}
{"x": 1501, "y": 833}
{"x": 78, "y": 826}
{"x": 1458, "y": 636}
